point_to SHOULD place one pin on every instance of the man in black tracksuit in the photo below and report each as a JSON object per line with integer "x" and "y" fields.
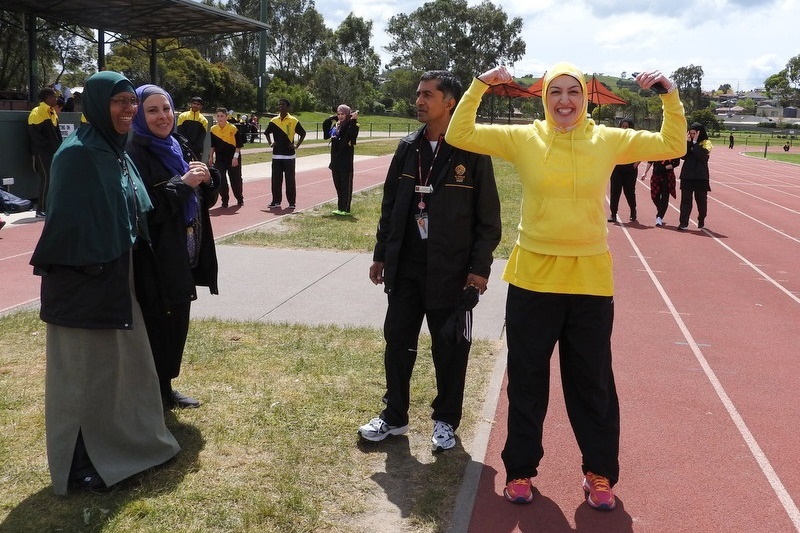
{"x": 440, "y": 223}
{"x": 45, "y": 138}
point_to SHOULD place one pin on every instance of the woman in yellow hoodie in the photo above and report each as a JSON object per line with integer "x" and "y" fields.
{"x": 560, "y": 270}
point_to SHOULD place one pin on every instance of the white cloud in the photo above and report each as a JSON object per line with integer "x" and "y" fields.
{"x": 740, "y": 42}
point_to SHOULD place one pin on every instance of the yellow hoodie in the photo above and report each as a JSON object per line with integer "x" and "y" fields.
{"x": 562, "y": 245}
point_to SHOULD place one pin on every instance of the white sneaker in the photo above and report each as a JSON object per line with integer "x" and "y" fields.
{"x": 659, "y": 222}
{"x": 376, "y": 430}
{"x": 444, "y": 436}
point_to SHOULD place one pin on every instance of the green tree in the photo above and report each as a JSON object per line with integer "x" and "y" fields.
{"x": 705, "y": 117}
{"x": 351, "y": 46}
{"x": 298, "y": 32}
{"x": 183, "y": 73}
{"x": 449, "y": 34}
{"x": 785, "y": 85}
{"x": 689, "y": 81}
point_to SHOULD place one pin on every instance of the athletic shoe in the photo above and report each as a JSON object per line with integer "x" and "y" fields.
{"x": 444, "y": 436}
{"x": 2, "y": 223}
{"x": 682, "y": 228}
{"x": 612, "y": 218}
{"x": 519, "y": 491}
{"x": 598, "y": 492}
{"x": 337, "y": 212}
{"x": 273, "y": 205}
{"x": 376, "y": 430}
{"x": 292, "y": 206}
{"x": 659, "y": 221}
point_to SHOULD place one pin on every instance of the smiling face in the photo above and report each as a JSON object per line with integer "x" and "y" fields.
{"x": 565, "y": 101}
{"x": 123, "y": 108}
{"x": 158, "y": 115}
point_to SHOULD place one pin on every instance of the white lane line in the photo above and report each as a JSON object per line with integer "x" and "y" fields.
{"x": 744, "y": 431}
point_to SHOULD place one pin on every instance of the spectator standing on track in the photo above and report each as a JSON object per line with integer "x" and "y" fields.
{"x": 695, "y": 180}
{"x": 45, "y": 138}
{"x": 662, "y": 185}
{"x": 281, "y": 133}
{"x": 623, "y": 180}
{"x": 730, "y": 141}
{"x": 561, "y": 285}
{"x": 342, "y": 130}
{"x": 432, "y": 270}
{"x": 225, "y": 156}
{"x": 194, "y": 126}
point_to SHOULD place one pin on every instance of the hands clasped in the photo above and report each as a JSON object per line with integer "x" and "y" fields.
{"x": 198, "y": 173}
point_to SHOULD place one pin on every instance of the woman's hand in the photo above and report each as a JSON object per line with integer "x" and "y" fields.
{"x": 654, "y": 80}
{"x": 495, "y": 76}
{"x": 198, "y": 173}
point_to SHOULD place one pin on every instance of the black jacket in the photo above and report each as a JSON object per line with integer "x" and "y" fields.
{"x": 464, "y": 218}
{"x": 695, "y": 163}
{"x": 163, "y": 274}
{"x": 342, "y": 145}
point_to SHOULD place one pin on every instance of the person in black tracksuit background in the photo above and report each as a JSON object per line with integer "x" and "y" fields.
{"x": 280, "y": 133}
{"x": 45, "y": 138}
{"x": 695, "y": 178}
{"x": 439, "y": 224}
{"x": 623, "y": 180}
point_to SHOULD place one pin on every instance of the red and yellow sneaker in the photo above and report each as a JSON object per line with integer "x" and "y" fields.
{"x": 519, "y": 491}
{"x": 598, "y": 492}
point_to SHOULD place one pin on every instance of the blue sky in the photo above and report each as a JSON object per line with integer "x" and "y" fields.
{"x": 740, "y": 42}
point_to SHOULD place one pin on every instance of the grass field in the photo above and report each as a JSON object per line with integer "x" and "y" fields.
{"x": 274, "y": 447}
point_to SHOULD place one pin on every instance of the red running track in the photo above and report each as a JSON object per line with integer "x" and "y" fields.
{"x": 706, "y": 361}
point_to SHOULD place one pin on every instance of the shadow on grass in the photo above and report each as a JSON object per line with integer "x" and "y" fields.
{"x": 81, "y": 511}
{"x": 424, "y": 492}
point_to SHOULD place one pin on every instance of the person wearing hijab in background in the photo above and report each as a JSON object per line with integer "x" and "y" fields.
{"x": 103, "y": 414}
{"x": 182, "y": 255}
{"x": 561, "y": 287}
{"x": 623, "y": 179}
{"x": 342, "y": 130}
{"x": 662, "y": 185}
{"x": 695, "y": 180}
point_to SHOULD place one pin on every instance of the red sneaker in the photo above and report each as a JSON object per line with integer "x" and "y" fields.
{"x": 519, "y": 491}
{"x": 598, "y": 492}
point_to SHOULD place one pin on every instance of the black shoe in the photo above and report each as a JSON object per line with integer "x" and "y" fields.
{"x": 224, "y": 205}
{"x": 89, "y": 481}
{"x": 274, "y": 205}
{"x": 240, "y": 203}
{"x": 292, "y": 206}
{"x": 40, "y": 214}
{"x": 681, "y": 228}
{"x": 701, "y": 223}
{"x": 181, "y": 401}
{"x": 612, "y": 218}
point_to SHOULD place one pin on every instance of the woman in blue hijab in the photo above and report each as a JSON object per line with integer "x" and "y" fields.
{"x": 103, "y": 415}
{"x": 182, "y": 255}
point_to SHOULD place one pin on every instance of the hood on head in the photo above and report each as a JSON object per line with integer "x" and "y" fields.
{"x": 97, "y": 93}
{"x": 571, "y": 70}
{"x": 143, "y": 92}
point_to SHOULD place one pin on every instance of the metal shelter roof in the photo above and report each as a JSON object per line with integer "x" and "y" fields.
{"x": 139, "y": 18}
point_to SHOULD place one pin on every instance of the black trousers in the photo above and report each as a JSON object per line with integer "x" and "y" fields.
{"x": 343, "y": 181}
{"x": 582, "y": 327}
{"x": 661, "y": 199}
{"x": 167, "y": 336}
{"x": 41, "y": 164}
{"x": 625, "y": 183}
{"x": 401, "y": 331}
{"x": 227, "y": 171}
{"x": 700, "y": 193}
{"x": 283, "y": 168}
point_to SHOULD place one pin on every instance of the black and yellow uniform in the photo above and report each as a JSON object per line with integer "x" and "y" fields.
{"x": 193, "y": 126}
{"x": 281, "y": 132}
{"x": 45, "y": 139}
{"x": 225, "y": 143}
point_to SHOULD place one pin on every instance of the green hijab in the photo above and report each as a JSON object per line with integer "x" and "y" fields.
{"x": 96, "y": 200}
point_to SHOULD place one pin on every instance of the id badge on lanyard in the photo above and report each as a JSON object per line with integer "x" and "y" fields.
{"x": 422, "y": 225}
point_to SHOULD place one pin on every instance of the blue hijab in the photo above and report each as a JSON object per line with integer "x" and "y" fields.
{"x": 168, "y": 151}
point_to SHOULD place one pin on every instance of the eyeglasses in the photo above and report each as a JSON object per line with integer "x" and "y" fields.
{"x": 125, "y": 102}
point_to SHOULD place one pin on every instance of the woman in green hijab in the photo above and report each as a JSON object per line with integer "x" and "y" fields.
{"x": 103, "y": 411}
